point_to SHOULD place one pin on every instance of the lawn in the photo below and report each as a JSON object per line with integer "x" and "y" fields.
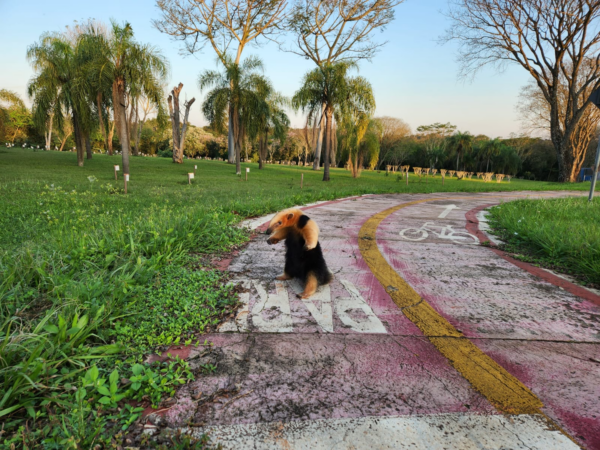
{"x": 561, "y": 234}
{"x": 92, "y": 279}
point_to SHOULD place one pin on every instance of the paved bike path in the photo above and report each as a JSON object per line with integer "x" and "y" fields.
{"x": 348, "y": 359}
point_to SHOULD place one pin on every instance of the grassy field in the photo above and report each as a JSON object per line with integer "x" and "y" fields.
{"x": 561, "y": 234}
{"x": 81, "y": 264}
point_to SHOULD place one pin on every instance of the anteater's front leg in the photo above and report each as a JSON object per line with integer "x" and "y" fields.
{"x": 310, "y": 287}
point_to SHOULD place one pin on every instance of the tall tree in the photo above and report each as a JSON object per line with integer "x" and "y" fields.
{"x": 341, "y": 94}
{"x": 460, "y": 143}
{"x": 491, "y": 148}
{"x": 391, "y": 131}
{"x": 124, "y": 64}
{"x": 555, "y": 41}
{"x": 434, "y": 138}
{"x": 222, "y": 24}
{"x": 59, "y": 86}
{"x": 330, "y": 31}
{"x": 179, "y": 130}
{"x": 14, "y": 116}
{"x": 239, "y": 85}
{"x": 266, "y": 117}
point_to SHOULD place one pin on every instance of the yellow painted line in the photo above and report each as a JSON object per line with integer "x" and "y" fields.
{"x": 502, "y": 389}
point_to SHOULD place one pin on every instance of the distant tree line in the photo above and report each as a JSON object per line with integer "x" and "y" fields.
{"x": 97, "y": 87}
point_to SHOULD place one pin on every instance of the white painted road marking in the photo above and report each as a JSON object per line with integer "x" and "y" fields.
{"x": 446, "y": 211}
{"x": 277, "y": 306}
{"x": 432, "y": 432}
{"x": 272, "y": 312}
{"x": 446, "y": 232}
{"x": 343, "y": 306}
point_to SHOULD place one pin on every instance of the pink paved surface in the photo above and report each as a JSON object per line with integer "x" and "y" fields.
{"x": 545, "y": 336}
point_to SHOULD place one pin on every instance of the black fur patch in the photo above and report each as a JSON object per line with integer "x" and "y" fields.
{"x": 303, "y": 220}
{"x": 299, "y": 263}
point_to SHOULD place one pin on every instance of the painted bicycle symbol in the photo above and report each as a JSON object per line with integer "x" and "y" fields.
{"x": 446, "y": 232}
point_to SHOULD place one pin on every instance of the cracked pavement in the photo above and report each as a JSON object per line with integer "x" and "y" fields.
{"x": 348, "y": 369}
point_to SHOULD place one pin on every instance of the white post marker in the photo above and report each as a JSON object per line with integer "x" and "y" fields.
{"x": 247, "y": 172}
{"x": 301, "y": 180}
{"x": 190, "y": 177}
{"x": 195, "y": 168}
{"x": 446, "y": 211}
{"x": 116, "y": 170}
{"x": 125, "y": 180}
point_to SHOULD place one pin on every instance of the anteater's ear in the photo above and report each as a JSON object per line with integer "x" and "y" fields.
{"x": 290, "y": 216}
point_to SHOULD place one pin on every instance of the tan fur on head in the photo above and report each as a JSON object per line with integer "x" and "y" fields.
{"x": 287, "y": 220}
{"x": 284, "y": 219}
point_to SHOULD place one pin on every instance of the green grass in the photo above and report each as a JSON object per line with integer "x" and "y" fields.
{"x": 562, "y": 234}
{"x": 82, "y": 265}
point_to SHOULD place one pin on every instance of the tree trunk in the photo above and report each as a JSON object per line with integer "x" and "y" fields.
{"x": 328, "y": 143}
{"x": 187, "y": 105}
{"x": 88, "y": 145}
{"x": 121, "y": 119}
{"x": 111, "y": 130}
{"x": 317, "y": 161}
{"x": 48, "y": 133}
{"x": 64, "y": 141}
{"x": 134, "y": 131}
{"x": 101, "y": 119}
{"x": 236, "y": 140}
{"x": 230, "y": 140}
{"x": 333, "y": 151}
{"x": 262, "y": 149}
{"x": 111, "y": 133}
{"x": 79, "y": 141}
{"x": 175, "y": 124}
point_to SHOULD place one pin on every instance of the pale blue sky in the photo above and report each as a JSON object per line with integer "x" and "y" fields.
{"x": 414, "y": 77}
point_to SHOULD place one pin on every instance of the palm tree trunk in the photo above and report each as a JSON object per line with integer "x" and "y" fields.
{"x": 64, "y": 141}
{"x": 88, "y": 145}
{"x": 236, "y": 140}
{"x": 134, "y": 131}
{"x": 121, "y": 119}
{"x": 317, "y": 160}
{"x": 328, "y": 142}
{"x": 111, "y": 132}
{"x": 230, "y": 140}
{"x": 262, "y": 149}
{"x": 101, "y": 119}
{"x": 79, "y": 142}
{"x": 333, "y": 150}
{"x": 48, "y": 134}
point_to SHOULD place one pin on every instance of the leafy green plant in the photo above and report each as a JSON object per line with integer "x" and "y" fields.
{"x": 158, "y": 379}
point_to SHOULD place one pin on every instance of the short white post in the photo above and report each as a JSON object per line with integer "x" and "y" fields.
{"x": 247, "y": 171}
{"x": 301, "y": 180}
{"x": 116, "y": 170}
{"x": 190, "y": 177}
{"x": 125, "y": 179}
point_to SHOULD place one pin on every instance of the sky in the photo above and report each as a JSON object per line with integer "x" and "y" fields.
{"x": 414, "y": 77}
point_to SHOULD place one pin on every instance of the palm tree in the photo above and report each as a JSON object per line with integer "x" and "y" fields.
{"x": 267, "y": 117}
{"x": 331, "y": 86}
{"x": 235, "y": 94}
{"x": 128, "y": 68}
{"x": 58, "y": 88}
{"x": 461, "y": 143}
{"x": 491, "y": 148}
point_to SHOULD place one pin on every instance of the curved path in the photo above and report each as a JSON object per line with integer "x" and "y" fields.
{"x": 424, "y": 340}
